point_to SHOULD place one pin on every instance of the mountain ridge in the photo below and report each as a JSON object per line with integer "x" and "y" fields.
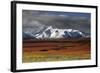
{"x": 55, "y": 33}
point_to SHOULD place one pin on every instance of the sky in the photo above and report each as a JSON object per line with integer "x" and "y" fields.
{"x": 35, "y": 21}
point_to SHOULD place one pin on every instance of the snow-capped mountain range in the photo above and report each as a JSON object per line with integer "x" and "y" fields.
{"x": 54, "y": 33}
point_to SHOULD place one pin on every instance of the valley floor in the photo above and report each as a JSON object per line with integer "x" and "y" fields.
{"x": 46, "y": 51}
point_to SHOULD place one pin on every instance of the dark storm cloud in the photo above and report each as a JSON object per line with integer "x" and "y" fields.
{"x": 37, "y": 20}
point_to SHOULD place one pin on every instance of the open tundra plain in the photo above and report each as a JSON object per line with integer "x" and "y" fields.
{"x": 56, "y": 50}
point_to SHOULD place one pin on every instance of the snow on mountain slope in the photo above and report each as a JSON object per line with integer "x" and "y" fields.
{"x": 51, "y": 32}
{"x": 60, "y": 33}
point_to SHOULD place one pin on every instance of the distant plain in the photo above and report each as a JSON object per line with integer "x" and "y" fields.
{"x": 56, "y": 50}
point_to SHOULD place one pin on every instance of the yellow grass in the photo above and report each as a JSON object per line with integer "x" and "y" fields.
{"x": 44, "y": 57}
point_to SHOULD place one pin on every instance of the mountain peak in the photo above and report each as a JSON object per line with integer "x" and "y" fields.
{"x": 48, "y": 28}
{"x": 55, "y": 33}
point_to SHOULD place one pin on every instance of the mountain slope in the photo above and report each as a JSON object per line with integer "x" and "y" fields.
{"x": 55, "y": 33}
